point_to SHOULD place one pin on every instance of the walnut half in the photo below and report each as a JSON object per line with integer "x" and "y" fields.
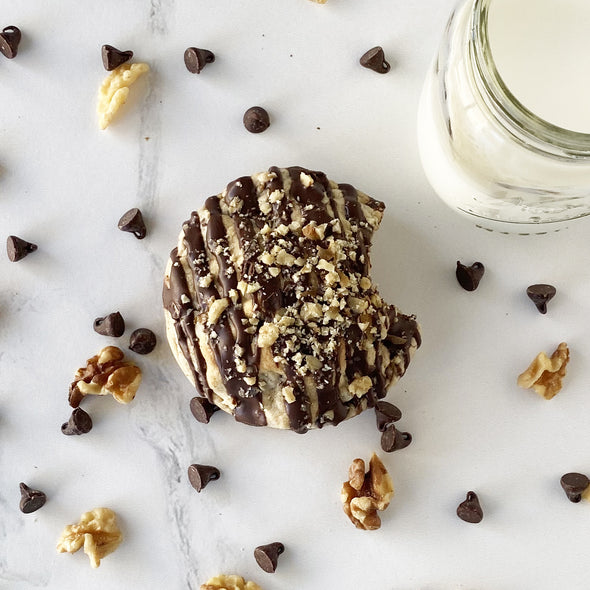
{"x": 231, "y": 582}
{"x": 366, "y": 493}
{"x": 106, "y": 373}
{"x": 97, "y": 532}
{"x": 114, "y": 90}
{"x": 545, "y": 373}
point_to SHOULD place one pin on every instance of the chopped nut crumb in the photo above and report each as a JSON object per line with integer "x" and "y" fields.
{"x": 284, "y": 258}
{"x": 306, "y": 179}
{"x": 267, "y": 335}
{"x": 311, "y": 311}
{"x": 229, "y": 582}
{"x": 360, "y": 386}
{"x": 310, "y": 231}
{"x": 545, "y": 374}
{"x": 313, "y": 364}
{"x": 325, "y": 265}
{"x": 365, "y": 283}
{"x": 106, "y": 373}
{"x": 288, "y": 394}
{"x": 366, "y": 493}
{"x": 275, "y": 197}
{"x": 97, "y": 532}
{"x": 267, "y": 258}
{"x": 217, "y": 307}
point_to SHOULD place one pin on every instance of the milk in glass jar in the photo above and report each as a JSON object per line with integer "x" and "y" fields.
{"x": 504, "y": 117}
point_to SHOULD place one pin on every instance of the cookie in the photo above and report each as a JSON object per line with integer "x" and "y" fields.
{"x": 270, "y": 311}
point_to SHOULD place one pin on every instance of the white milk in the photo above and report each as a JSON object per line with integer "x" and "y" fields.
{"x": 542, "y": 52}
{"x": 476, "y": 162}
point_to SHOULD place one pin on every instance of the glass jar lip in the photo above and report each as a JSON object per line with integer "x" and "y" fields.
{"x": 526, "y": 127}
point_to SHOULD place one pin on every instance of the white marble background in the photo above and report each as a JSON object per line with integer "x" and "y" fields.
{"x": 64, "y": 185}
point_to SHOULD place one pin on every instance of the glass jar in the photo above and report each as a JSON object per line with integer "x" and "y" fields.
{"x": 485, "y": 153}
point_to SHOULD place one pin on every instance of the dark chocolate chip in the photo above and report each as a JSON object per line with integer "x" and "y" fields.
{"x": 386, "y": 414}
{"x": 394, "y": 440}
{"x": 9, "y": 40}
{"x": 18, "y": 248}
{"x": 374, "y": 59}
{"x": 470, "y": 509}
{"x": 30, "y": 500}
{"x": 201, "y": 475}
{"x": 112, "y": 58}
{"x": 132, "y": 221}
{"x": 469, "y": 276}
{"x": 574, "y": 485}
{"x": 196, "y": 59}
{"x": 256, "y": 120}
{"x": 540, "y": 295}
{"x": 79, "y": 423}
{"x": 267, "y": 556}
{"x": 142, "y": 341}
{"x": 202, "y": 409}
{"x": 111, "y": 325}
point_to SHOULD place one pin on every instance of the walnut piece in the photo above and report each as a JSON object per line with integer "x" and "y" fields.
{"x": 106, "y": 373}
{"x": 545, "y": 373}
{"x": 231, "y": 582}
{"x": 366, "y": 493}
{"x": 114, "y": 90}
{"x": 97, "y": 532}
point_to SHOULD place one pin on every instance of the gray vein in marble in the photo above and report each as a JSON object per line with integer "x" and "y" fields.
{"x": 149, "y": 145}
{"x": 159, "y": 14}
{"x": 11, "y": 527}
{"x": 165, "y": 423}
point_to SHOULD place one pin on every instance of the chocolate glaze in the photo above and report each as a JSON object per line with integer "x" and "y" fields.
{"x": 178, "y": 302}
{"x": 236, "y": 215}
{"x": 229, "y": 329}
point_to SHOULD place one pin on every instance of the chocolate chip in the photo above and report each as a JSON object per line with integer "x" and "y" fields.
{"x": 18, "y": 248}
{"x": 111, "y": 325}
{"x": 470, "y": 509}
{"x": 374, "y": 59}
{"x": 201, "y": 475}
{"x": 266, "y": 556}
{"x": 256, "y": 120}
{"x": 540, "y": 294}
{"x": 196, "y": 59}
{"x": 386, "y": 414}
{"x": 202, "y": 409}
{"x": 574, "y": 485}
{"x": 469, "y": 276}
{"x": 9, "y": 40}
{"x": 132, "y": 222}
{"x": 142, "y": 341}
{"x": 30, "y": 500}
{"x": 79, "y": 423}
{"x": 112, "y": 58}
{"x": 394, "y": 440}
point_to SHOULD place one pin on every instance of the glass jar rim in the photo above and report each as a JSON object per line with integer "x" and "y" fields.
{"x": 532, "y": 131}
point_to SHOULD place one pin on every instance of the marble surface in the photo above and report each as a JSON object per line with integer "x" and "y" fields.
{"x": 64, "y": 185}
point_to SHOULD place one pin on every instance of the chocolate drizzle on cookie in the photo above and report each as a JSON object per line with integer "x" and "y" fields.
{"x": 270, "y": 283}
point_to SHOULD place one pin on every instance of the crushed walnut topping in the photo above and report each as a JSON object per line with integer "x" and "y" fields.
{"x": 544, "y": 375}
{"x": 106, "y": 373}
{"x": 97, "y": 532}
{"x": 319, "y": 313}
{"x": 366, "y": 493}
